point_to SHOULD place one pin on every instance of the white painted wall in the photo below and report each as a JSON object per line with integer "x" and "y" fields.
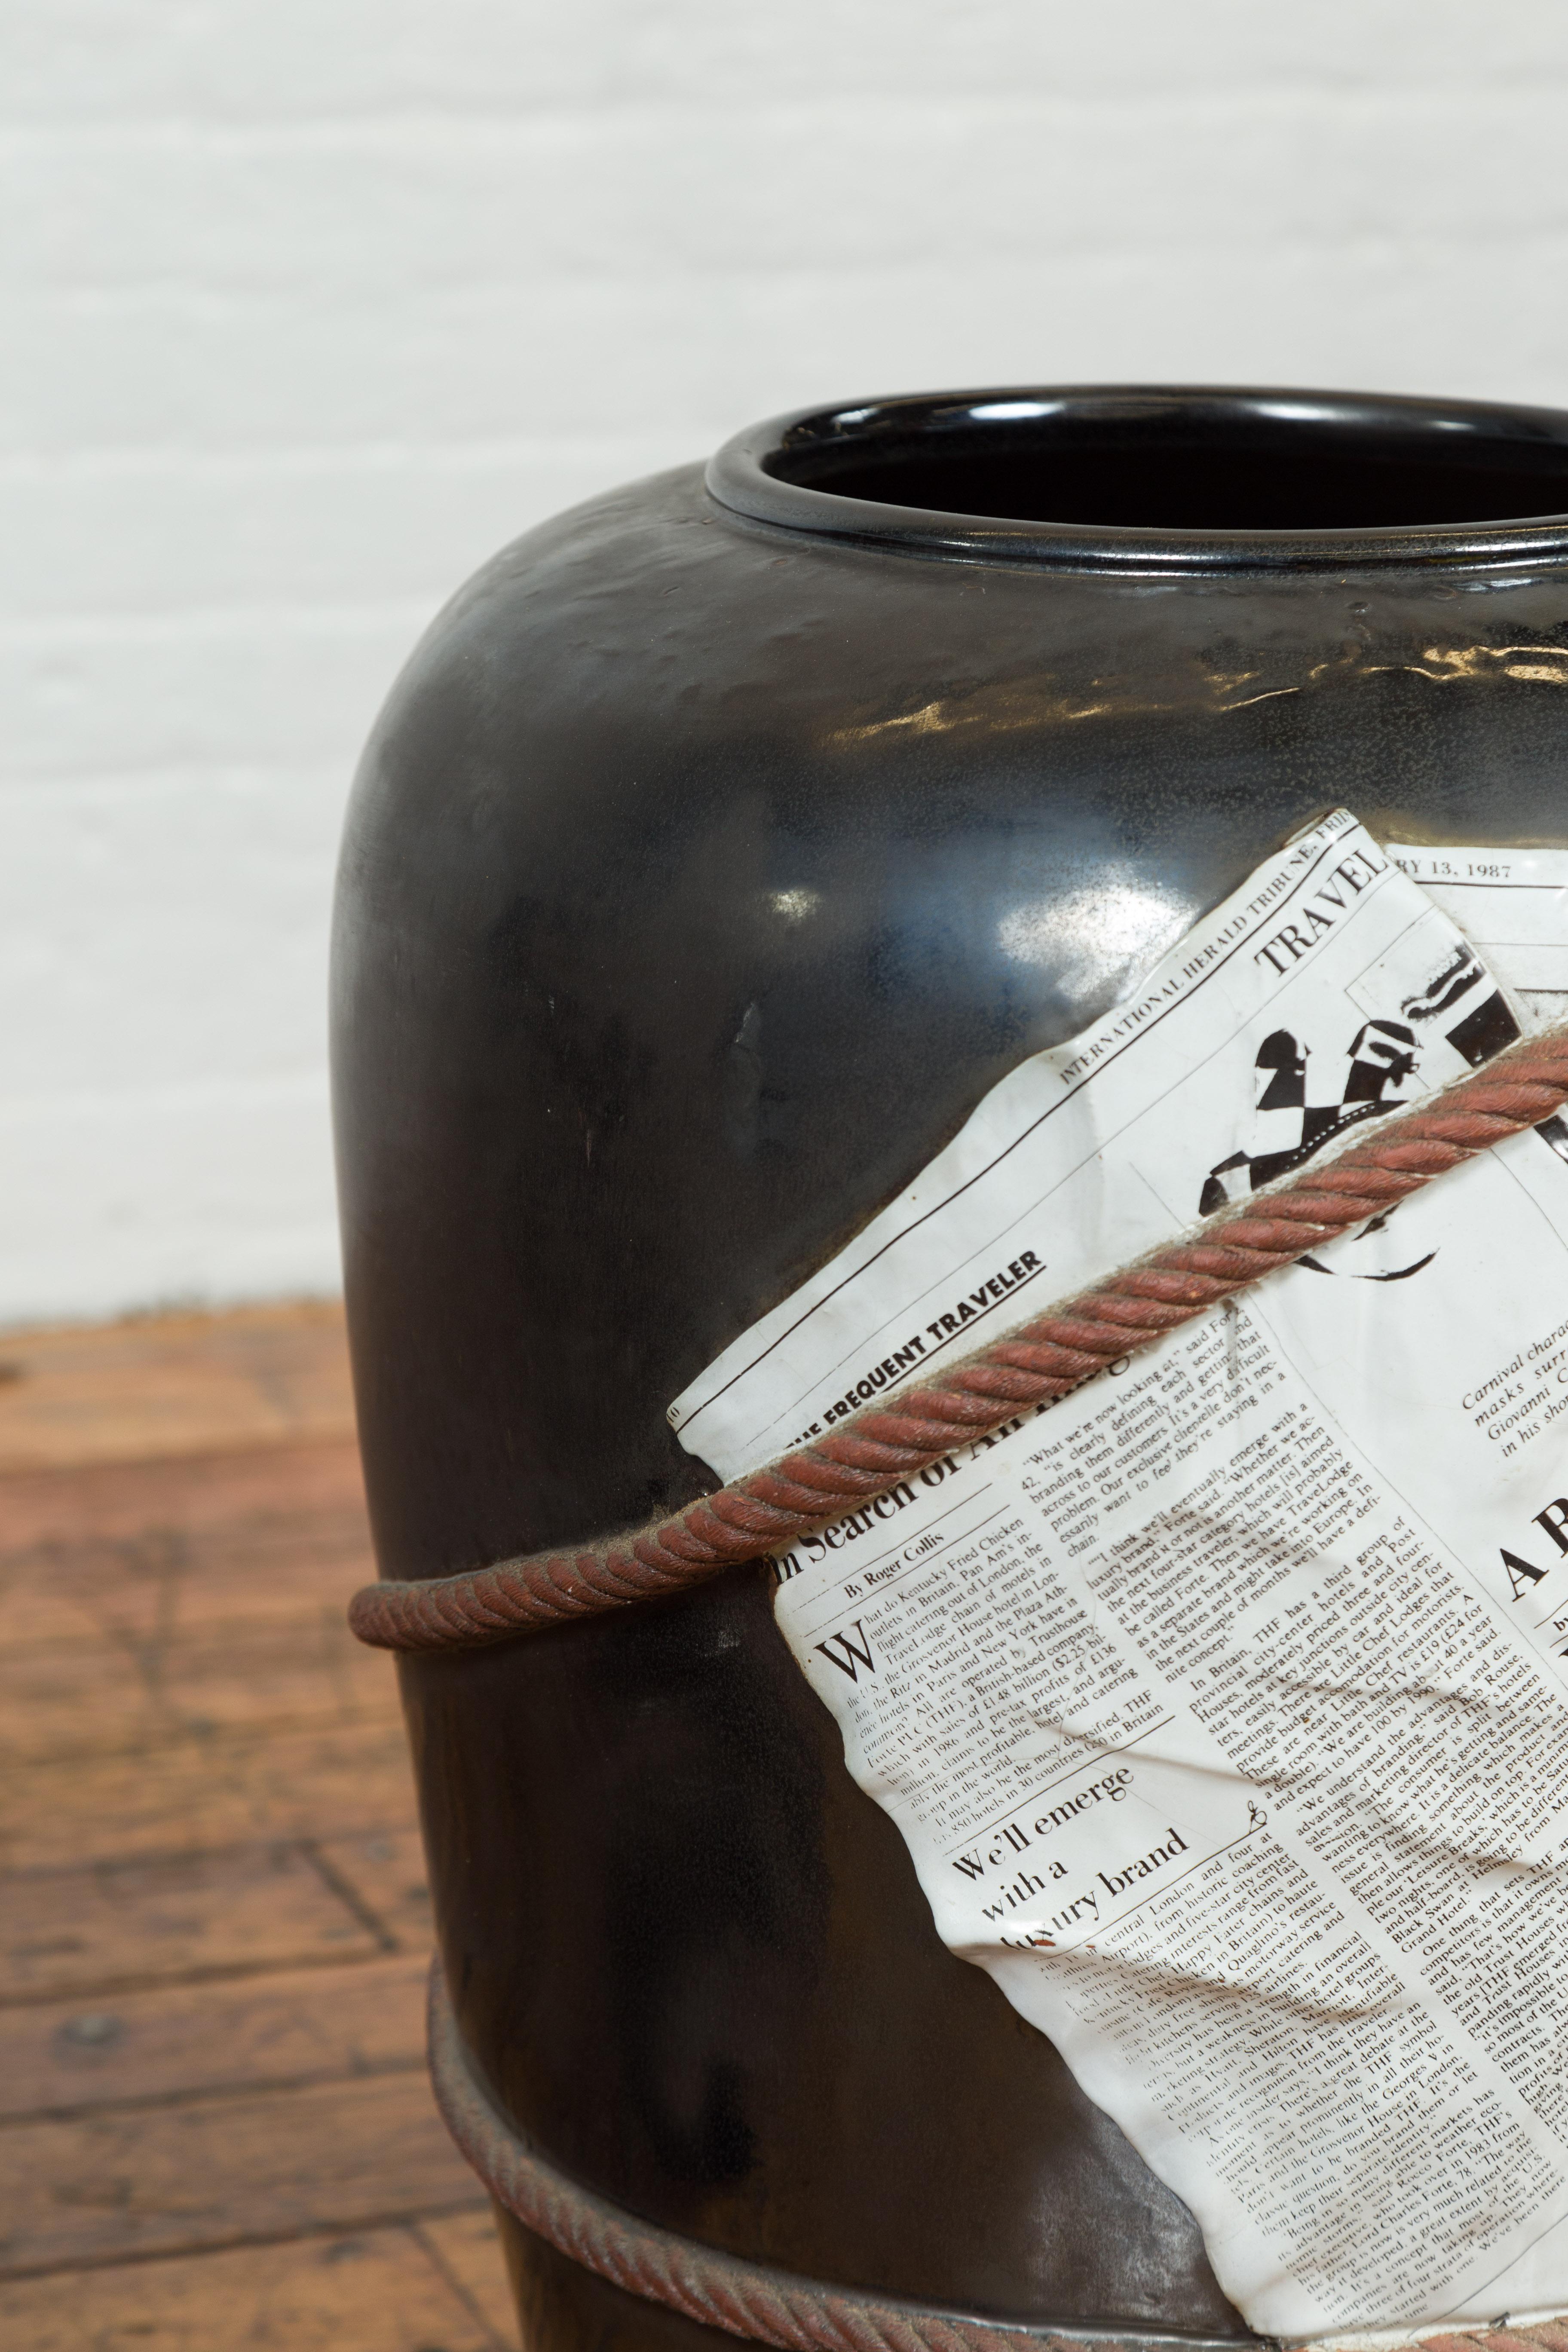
{"x": 311, "y": 304}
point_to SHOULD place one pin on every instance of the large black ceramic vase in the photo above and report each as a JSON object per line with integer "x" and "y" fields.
{"x": 722, "y": 844}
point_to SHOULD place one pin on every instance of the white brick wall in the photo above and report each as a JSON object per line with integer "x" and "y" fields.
{"x": 309, "y": 304}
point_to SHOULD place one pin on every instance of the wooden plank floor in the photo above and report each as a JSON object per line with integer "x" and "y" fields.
{"x": 215, "y": 2131}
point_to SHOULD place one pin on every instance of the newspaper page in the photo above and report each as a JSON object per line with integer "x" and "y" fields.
{"x": 1222, "y": 1706}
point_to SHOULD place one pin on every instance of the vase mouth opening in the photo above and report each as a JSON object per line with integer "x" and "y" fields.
{"x": 1150, "y": 480}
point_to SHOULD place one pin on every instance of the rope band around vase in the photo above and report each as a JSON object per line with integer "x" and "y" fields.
{"x": 1033, "y": 1364}
{"x": 764, "y": 2305}
{"x": 761, "y": 2304}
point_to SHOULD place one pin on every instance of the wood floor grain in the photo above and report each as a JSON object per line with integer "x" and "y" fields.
{"x": 376, "y": 2291}
{"x": 215, "y": 2122}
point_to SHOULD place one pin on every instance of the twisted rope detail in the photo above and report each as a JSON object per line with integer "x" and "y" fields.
{"x": 1035, "y": 1363}
{"x": 763, "y": 2305}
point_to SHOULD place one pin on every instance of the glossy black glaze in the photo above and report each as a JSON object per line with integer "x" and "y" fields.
{"x": 716, "y": 851}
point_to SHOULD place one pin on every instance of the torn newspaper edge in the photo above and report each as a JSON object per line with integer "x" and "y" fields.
{"x": 1222, "y": 1704}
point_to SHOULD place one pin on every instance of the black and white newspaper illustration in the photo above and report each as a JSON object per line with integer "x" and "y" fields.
{"x": 1512, "y": 904}
{"x": 1224, "y": 1706}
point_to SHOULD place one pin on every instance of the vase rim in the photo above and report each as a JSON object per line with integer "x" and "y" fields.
{"x": 836, "y": 473}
